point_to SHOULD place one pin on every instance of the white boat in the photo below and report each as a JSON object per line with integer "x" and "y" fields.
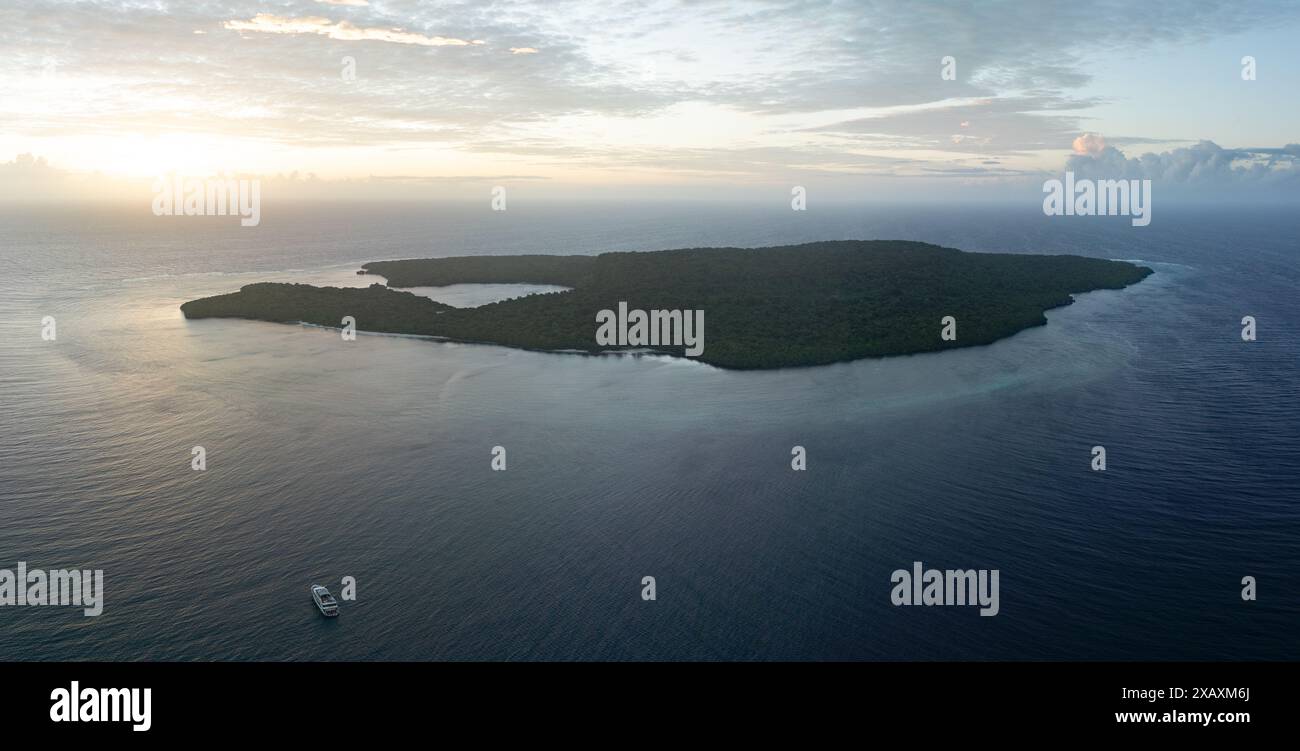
{"x": 324, "y": 600}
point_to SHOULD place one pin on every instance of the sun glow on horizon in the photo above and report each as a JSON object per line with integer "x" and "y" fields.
{"x": 582, "y": 94}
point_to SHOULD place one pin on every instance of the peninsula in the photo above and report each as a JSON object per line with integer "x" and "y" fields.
{"x": 774, "y": 307}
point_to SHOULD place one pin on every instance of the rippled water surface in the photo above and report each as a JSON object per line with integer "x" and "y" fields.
{"x": 371, "y": 458}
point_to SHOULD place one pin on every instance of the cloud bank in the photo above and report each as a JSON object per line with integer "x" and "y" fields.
{"x": 1203, "y": 165}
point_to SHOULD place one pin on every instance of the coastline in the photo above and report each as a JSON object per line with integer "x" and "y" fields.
{"x": 770, "y": 308}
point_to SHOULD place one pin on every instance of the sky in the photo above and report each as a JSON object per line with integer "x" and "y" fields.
{"x": 390, "y": 99}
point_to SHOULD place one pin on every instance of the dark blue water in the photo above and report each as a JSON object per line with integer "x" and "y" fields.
{"x": 371, "y": 458}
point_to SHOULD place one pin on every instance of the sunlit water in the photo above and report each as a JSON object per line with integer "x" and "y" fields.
{"x": 371, "y": 458}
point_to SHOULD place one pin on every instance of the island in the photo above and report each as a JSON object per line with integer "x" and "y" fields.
{"x": 773, "y": 307}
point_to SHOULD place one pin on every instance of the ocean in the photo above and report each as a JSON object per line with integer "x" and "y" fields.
{"x": 371, "y": 459}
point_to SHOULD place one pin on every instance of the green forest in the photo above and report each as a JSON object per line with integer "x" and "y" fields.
{"x": 773, "y": 307}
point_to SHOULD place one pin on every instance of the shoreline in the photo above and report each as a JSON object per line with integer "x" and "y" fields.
{"x": 770, "y": 308}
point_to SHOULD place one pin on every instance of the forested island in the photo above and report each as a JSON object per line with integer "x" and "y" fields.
{"x": 773, "y": 307}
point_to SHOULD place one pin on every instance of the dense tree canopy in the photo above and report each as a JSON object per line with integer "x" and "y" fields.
{"x": 764, "y": 308}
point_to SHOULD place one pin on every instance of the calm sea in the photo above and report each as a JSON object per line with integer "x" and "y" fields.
{"x": 371, "y": 459}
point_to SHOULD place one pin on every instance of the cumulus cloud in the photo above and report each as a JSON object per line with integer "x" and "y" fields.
{"x": 1089, "y": 143}
{"x": 343, "y": 30}
{"x": 29, "y": 165}
{"x": 522, "y": 51}
{"x": 1205, "y": 164}
{"x": 29, "y": 177}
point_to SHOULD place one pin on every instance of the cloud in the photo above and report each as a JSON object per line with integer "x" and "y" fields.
{"x": 30, "y": 166}
{"x": 1089, "y": 143}
{"x": 343, "y": 30}
{"x": 354, "y": 3}
{"x": 812, "y": 86}
{"x": 1000, "y": 125}
{"x": 1203, "y": 165}
{"x": 31, "y": 178}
